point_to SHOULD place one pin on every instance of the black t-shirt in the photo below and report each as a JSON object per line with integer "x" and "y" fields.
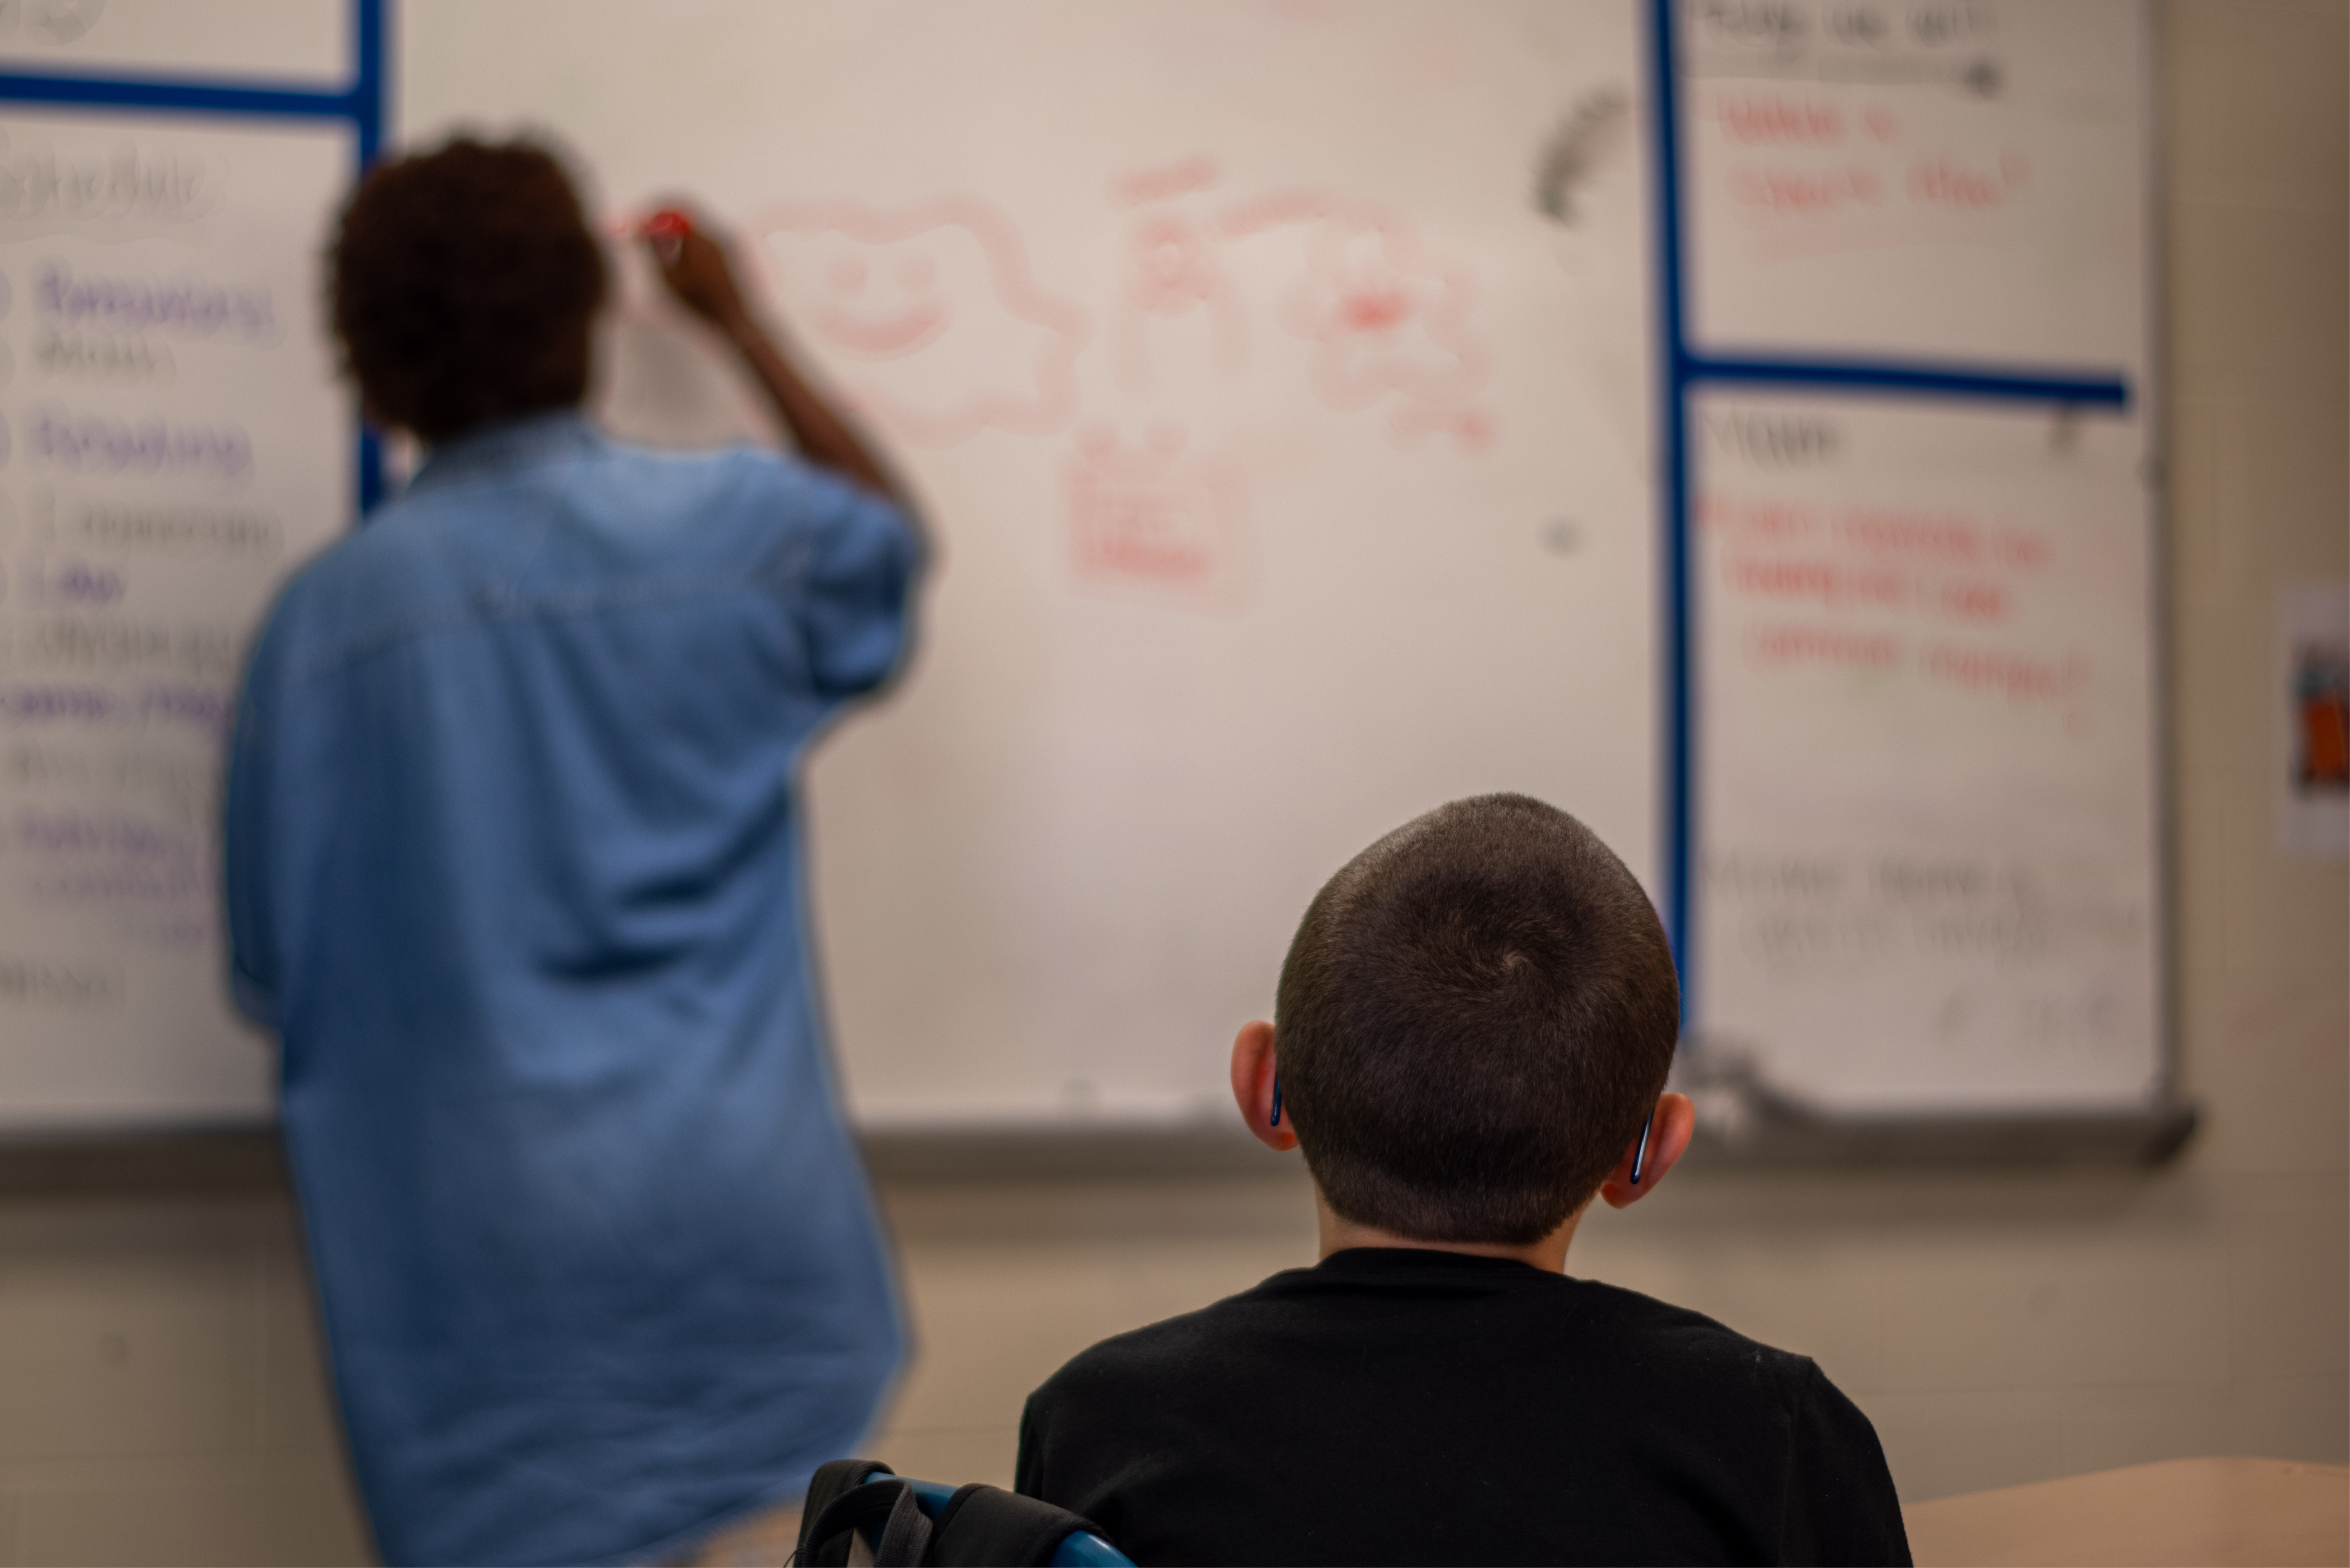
{"x": 1397, "y": 1405}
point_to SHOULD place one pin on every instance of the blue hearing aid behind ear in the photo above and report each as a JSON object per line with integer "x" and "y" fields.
{"x": 1639, "y": 1154}
{"x": 1276, "y": 1100}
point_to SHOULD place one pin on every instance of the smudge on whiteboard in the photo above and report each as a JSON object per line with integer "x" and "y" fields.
{"x": 1589, "y": 138}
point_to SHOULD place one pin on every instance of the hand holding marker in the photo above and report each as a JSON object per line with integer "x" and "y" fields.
{"x": 697, "y": 270}
{"x": 666, "y": 232}
{"x": 698, "y": 273}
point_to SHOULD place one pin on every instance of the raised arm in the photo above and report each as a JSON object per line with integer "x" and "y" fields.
{"x": 694, "y": 263}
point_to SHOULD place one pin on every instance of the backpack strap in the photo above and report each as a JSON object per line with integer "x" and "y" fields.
{"x": 986, "y": 1527}
{"x": 888, "y": 1502}
{"x": 828, "y": 1484}
{"x": 832, "y": 1478}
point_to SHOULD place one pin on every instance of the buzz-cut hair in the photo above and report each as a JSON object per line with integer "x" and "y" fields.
{"x": 1475, "y": 1019}
{"x": 463, "y": 285}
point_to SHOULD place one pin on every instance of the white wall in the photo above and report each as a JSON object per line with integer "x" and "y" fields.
{"x": 161, "y": 1393}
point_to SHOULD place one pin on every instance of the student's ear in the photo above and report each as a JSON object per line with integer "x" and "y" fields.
{"x": 1255, "y": 1071}
{"x": 1668, "y": 1139}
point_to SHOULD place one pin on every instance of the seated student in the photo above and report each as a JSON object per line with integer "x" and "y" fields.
{"x": 1474, "y": 1026}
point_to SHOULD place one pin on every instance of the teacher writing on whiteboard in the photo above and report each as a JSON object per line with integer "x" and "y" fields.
{"x": 513, "y": 870}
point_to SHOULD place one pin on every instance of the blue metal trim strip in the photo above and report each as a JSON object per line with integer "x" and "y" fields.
{"x": 2093, "y": 389}
{"x": 1678, "y": 641}
{"x": 179, "y": 96}
{"x": 368, "y": 91}
{"x": 368, "y": 77}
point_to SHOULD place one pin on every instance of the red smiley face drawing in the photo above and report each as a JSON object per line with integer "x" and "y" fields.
{"x": 929, "y": 316}
{"x": 880, "y": 311}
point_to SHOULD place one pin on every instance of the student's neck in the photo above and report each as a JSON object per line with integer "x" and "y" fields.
{"x": 1340, "y": 1235}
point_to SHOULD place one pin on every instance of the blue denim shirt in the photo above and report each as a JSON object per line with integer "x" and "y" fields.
{"x": 513, "y": 868}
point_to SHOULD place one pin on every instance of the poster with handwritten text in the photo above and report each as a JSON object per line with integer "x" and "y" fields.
{"x": 1954, "y": 180}
{"x": 1929, "y": 874}
{"x": 172, "y": 442}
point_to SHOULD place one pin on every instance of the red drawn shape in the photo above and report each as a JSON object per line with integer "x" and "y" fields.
{"x": 878, "y": 326}
{"x": 935, "y": 324}
{"x": 1761, "y": 521}
{"x": 1997, "y": 671}
{"x": 1945, "y": 536}
{"x": 887, "y": 338}
{"x": 1471, "y": 429}
{"x": 1771, "y": 193}
{"x": 1762, "y": 120}
{"x": 1258, "y": 213}
{"x": 1150, "y": 512}
{"x": 1781, "y": 647}
{"x": 1972, "y": 600}
{"x": 2023, "y": 550}
{"x": 1172, "y": 269}
{"x": 1830, "y": 584}
{"x": 1389, "y": 321}
{"x": 1374, "y": 309}
{"x": 1180, "y": 178}
{"x": 1948, "y": 183}
{"x": 1175, "y": 304}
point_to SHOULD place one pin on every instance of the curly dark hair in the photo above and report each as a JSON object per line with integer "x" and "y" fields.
{"x": 463, "y": 285}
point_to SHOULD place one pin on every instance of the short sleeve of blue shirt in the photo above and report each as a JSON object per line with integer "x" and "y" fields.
{"x": 860, "y": 563}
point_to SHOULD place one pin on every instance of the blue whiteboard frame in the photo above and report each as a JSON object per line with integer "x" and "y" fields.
{"x": 1686, "y": 368}
{"x": 360, "y": 105}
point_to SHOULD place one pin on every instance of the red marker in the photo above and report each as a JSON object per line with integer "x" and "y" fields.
{"x": 667, "y": 229}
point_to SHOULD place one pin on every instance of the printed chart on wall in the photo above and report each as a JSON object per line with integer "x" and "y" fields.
{"x": 1277, "y": 377}
{"x": 171, "y": 441}
{"x": 1920, "y": 570}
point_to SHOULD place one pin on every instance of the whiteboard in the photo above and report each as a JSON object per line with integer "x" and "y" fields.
{"x": 171, "y": 440}
{"x": 1928, "y": 841}
{"x": 1290, "y": 462}
{"x": 1283, "y": 382}
{"x": 1959, "y": 911}
{"x": 1948, "y": 180}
